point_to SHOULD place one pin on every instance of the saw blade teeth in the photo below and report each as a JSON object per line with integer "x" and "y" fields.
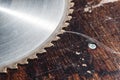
{"x": 33, "y": 56}
{"x": 49, "y": 45}
{"x": 66, "y": 24}
{"x": 4, "y": 70}
{"x": 70, "y": 1}
{"x": 14, "y": 66}
{"x": 72, "y": 4}
{"x": 24, "y": 61}
{"x": 43, "y": 50}
{"x": 56, "y": 38}
{"x": 71, "y": 11}
{"x": 61, "y": 32}
{"x": 69, "y": 17}
{"x": 39, "y": 51}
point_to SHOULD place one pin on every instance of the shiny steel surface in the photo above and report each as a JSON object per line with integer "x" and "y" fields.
{"x": 25, "y": 25}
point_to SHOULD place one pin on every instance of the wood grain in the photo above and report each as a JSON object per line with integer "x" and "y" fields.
{"x": 61, "y": 62}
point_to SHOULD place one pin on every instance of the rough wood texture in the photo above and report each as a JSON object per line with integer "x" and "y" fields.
{"x": 61, "y": 62}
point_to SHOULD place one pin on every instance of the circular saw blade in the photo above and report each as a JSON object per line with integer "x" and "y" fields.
{"x": 28, "y": 26}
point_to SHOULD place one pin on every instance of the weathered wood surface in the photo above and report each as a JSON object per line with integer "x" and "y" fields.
{"x": 61, "y": 62}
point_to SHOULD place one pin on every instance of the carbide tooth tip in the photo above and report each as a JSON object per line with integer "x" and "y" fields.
{"x": 33, "y": 56}
{"x": 56, "y": 38}
{"x": 72, "y": 4}
{"x": 4, "y": 70}
{"x": 71, "y": 11}
{"x": 66, "y": 24}
{"x": 13, "y": 66}
{"x": 24, "y": 61}
{"x": 61, "y": 32}
{"x": 69, "y": 17}
{"x": 42, "y": 51}
{"x": 49, "y": 45}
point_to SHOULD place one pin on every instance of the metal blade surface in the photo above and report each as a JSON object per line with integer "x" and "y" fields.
{"x": 25, "y": 25}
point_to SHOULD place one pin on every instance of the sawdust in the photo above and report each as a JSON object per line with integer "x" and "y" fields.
{"x": 89, "y": 8}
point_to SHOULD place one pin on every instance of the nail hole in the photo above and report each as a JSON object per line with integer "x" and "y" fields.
{"x": 92, "y": 46}
{"x": 84, "y": 65}
{"x": 89, "y": 72}
{"x": 78, "y": 53}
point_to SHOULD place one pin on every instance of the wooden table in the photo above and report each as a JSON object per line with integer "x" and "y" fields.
{"x": 70, "y": 58}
